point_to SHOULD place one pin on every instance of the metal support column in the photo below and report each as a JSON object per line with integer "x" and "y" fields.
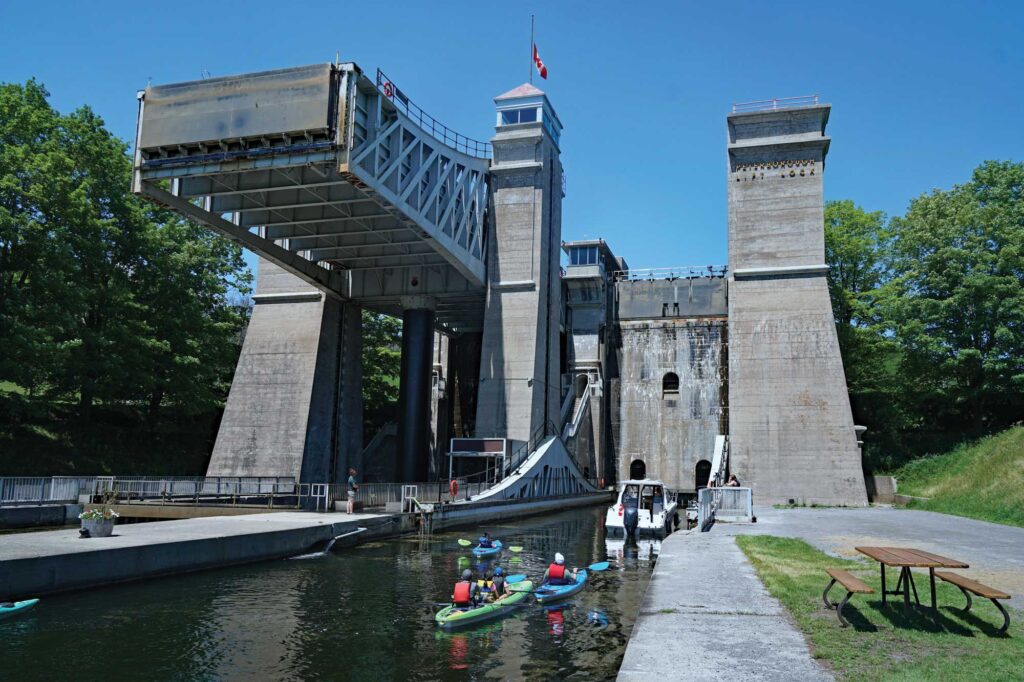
{"x": 414, "y": 390}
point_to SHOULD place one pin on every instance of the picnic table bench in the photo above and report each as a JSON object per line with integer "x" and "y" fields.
{"x": 906, "y": 558}
{"x": 851, "y": 583}
{"x": 968, "y": 586}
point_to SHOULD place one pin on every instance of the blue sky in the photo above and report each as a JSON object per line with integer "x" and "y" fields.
{"x": 921, "y": 91}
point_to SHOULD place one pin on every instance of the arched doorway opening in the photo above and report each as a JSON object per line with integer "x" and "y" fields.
{"x": 701, "y": 474}
{"x": 670, "y": 385}
{"x": 637, "y": 470}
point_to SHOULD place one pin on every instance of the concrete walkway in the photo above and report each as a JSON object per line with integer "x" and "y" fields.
{"x": 994, "y": 551}
{"x": 38, "y": 563}
{"x": 706, "y": 616}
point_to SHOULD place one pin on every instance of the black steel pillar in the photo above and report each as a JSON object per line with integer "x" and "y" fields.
{"x": 414, "y": 394}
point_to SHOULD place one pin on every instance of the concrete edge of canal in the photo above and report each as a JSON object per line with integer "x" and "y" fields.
{"x": 47, "y": 562}
{"x": 706, "y": 616}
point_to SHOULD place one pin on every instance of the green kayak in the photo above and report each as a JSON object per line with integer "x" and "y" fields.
{"x": 450, "y": 617}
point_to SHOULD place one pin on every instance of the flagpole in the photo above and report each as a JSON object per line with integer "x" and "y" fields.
{"x": 531, "y": 49}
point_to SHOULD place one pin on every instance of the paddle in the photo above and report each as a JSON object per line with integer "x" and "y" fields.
{"x": 599, "y": 566}
{"x": 515, "y": 548}
{"x": 465, "y": 543}
{"x": 517, "y": 578}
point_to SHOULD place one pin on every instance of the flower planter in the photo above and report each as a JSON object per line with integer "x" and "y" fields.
{"x": 98, "y": 528}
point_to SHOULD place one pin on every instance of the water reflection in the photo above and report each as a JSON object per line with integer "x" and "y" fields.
{"x": 362, "y": 613}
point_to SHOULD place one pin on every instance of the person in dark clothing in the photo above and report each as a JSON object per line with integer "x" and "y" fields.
{"x": 499, "y": 588}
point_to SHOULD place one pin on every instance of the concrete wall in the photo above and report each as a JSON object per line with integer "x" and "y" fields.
{"x": 669, "y": 432}
{"x": 295, "y": 406}
{"x": 519, "y": 366}
{"x": 790, "y": 426}
{"x": 682, "y": 297}
{"x": 39, "y": 515}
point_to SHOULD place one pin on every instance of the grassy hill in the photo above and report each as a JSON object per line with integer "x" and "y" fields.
{"x": 982, "y": 480}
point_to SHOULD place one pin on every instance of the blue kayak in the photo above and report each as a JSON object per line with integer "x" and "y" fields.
{"x": 549, "y": 593}
{"x": 488, "y": 551}
{"x": 16, "y": 608}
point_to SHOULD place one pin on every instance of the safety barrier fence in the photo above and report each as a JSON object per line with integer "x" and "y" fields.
{"x": 429, "y": 124}
{"x": 270, "y": 491}
{"x": 775, "y": 103}
{"x": 725, "y": 504}
{"x": 37, "y": 490}
{"x": 677, "y": 272}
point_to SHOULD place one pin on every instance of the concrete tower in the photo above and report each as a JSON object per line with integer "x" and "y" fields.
{"x": 791, "y": 430}
{"x": 519, "y": 365}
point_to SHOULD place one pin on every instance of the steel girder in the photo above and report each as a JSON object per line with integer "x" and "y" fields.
{"x": 334, "y": 184}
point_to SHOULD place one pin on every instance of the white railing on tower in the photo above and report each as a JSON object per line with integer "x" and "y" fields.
{"x": 775, "y": 103}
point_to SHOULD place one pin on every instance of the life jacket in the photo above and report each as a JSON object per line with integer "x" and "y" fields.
{"x": 485, "y": 543}
{"x": 556, "y": 572}
{"x": 461, "y": 595}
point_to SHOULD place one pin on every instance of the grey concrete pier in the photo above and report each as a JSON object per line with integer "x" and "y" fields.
{"x": 706, "y": 616}
{"x": 35, "y": 564}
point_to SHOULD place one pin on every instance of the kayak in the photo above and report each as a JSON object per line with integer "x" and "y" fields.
{"x": 488, "y": 551}
{"x": 451, "y": 617}
{"x": 16, "y": 608}
{"x": 549, "y": 593}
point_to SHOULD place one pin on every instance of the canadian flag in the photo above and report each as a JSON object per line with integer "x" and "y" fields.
{"x": 541, "y": 69}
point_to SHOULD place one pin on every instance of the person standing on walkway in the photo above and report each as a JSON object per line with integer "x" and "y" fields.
{"x": 352, "y": 488}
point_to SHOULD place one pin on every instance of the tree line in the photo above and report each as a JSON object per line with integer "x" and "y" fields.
{"x": 120, "y": 322}
{"x": 929, "y": 309}
{"x": 106, "y": 302}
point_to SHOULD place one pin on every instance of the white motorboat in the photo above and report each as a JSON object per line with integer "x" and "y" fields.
{"x": 644, "y": 507}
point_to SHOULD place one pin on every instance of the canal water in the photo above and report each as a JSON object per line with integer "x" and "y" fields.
{"x": 361, "y": 613}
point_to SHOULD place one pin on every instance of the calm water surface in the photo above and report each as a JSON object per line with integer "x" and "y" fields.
{"x": 362, "y": 613}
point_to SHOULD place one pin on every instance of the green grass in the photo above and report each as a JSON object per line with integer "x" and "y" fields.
{"x": 982, "y": 480}
{"x": 886, "y": 642}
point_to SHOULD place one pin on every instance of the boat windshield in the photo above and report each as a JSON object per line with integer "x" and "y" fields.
{"x": 630, "y": 495}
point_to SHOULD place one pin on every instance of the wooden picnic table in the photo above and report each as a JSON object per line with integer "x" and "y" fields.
{"x": 906, "y": 558}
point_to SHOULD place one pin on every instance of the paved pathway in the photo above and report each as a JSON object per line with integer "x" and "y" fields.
{"x": 995, "y": 552}
{"x": 706, "y": 616}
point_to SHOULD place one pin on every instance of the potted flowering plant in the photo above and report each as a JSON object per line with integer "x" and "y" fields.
{"x": 98, "y": 521}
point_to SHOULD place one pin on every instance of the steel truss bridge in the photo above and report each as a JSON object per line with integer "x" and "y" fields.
{"x": 337, "y": 178}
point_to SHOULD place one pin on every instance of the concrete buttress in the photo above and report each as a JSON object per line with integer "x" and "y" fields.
{"x": 295, "y": 406}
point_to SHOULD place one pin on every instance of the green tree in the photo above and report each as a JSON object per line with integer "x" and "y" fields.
{"x": 382, "y": 365}
{"x": 854, "y": 251}
{"x": 957, "y": 301}
{"x": 104, "y": 299}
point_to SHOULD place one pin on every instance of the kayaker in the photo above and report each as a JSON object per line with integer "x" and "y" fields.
{"x": 557, "y": 574}
{"x": 499, "y": 587}
{"x": 467, "y": 592}
{"x": 485, "y": 541}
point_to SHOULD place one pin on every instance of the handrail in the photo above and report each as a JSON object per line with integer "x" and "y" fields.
{"x": 775, "y": 103}
{"x": 677, "y": 272}
{"x": 577, "y": 417}
{"x": 567, "y": 402}
{"x": 441, "y": 132}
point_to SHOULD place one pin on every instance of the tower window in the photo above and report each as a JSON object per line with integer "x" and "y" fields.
{"x": 670, "y": 385}
{"x": 512, "y": 116}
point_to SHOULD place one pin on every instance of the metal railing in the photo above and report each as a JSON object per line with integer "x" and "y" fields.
{"x": 38, "y": 490}
{"x": 678, "y": 272}
{"x": 573, "y": 424}
{"x": 67, "y": 489}
{"x": 725, "y": 504}
{"x": 775, "y": 103}
{"x": 439, "y": 131}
